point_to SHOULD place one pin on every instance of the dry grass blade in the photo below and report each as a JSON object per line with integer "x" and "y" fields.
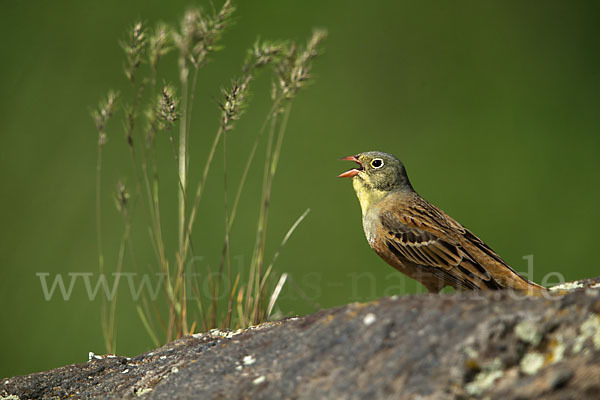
{"x": 101, "y": 116}
{"x": 275, "y": 294}
{"x": 147, "y": 326}
{"x": 288, "y": 235}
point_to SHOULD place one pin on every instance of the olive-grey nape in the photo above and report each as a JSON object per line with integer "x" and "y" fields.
{"x": 420, "y": 240}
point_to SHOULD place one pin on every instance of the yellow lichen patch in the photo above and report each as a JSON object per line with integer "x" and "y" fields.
{"x": 358, "y": 306}
{"x": 562, "y": 313}
{"x": 472, "y": 364}
{"x": 327, "y": 319}
{"x": 556, "y": 350}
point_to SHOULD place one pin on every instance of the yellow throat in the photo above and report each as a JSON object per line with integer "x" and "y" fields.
{"x": 367, "y": 196}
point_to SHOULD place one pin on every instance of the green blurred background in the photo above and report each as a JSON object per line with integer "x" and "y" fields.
{"x": 492, "y": 105}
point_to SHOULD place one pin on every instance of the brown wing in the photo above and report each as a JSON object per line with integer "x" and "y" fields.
{"x": 420, "y": 236}
{"x": 423, "y": 234}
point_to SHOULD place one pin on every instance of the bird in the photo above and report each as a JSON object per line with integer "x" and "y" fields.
{"x": 419, "y": 239}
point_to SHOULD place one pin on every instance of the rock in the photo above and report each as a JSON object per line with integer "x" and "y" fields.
{"x": 464, "y": 345}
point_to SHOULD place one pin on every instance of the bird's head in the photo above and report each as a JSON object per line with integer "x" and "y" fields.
{"x": 376, "y": 175}
{"x": 377, "y": 170}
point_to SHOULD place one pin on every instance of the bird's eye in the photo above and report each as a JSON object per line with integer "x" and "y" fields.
{"x": 377, "y": 163}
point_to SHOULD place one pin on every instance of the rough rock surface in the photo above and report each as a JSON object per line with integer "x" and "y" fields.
{"x": 464, "y": 345}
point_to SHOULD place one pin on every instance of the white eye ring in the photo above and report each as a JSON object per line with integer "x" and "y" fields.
{"x": 377, "y": 163}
